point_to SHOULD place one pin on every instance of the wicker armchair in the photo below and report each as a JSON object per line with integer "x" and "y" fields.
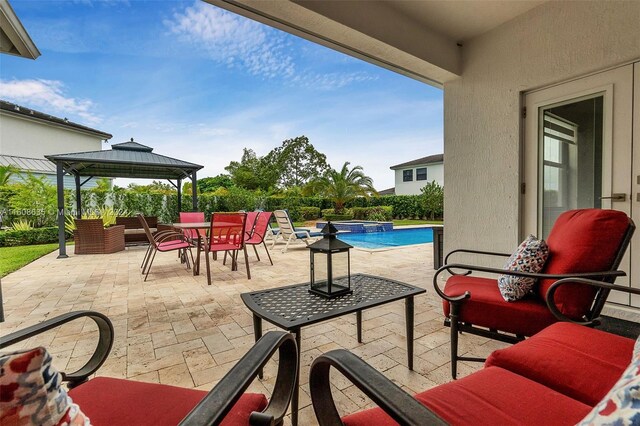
{"x": 91, "y": 237}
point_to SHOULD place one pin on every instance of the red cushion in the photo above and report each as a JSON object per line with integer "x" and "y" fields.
{"x": 492, "y": 396}
{"x": 577, "y": 361}
{"x": 487, "y": 308}
{"x": 582, "y": 241}
{"x": 112, "y": 402}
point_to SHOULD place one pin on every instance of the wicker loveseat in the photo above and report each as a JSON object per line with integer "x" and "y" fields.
{"x": 91, "y": 237}
{"x": 134, "y": 232}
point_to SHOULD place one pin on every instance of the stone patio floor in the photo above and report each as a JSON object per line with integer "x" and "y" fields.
{"x": 176, "y": 329}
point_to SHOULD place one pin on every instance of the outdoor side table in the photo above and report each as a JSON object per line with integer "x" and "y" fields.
{"x": 293, "y": 307}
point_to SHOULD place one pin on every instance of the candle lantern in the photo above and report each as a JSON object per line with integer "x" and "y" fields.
{"x": 330, "y": 265}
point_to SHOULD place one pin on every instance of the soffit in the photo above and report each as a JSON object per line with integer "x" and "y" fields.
{"x": 14, "y": 39}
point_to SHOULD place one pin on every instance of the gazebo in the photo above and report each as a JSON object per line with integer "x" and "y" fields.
{"x": 128, "y": 159}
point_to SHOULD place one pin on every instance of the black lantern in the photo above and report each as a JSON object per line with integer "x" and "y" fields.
{"x": 330, "y": 265}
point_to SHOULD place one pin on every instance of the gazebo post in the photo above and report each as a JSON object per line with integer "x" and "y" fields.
{"x": 76, "y": 175}
{"x": 179, "y": 195}
{"x": 194, "y": 191}
{"x": 62, "y": 249}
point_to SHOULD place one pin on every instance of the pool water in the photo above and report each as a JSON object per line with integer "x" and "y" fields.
{"x": 395, "y": 238}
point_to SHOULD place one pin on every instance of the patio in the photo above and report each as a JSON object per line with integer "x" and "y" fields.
{"x": 175, "y": 329}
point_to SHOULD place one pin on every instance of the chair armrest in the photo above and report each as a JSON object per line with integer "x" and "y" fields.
{"x": 214, "y": 407}
{"x": 105, "y": 341}
{"x": 402, "y": 407}
{"x": 499, "y": 271}
{"x": 576, "y": 280}
{"x": 487, "y": 253}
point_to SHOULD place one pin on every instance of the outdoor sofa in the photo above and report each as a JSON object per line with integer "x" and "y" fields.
{"x": 133, "y": 230}
{"x": 565, "y": 373}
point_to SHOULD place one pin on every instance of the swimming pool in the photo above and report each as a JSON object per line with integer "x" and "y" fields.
{"x": 388, "y": 239}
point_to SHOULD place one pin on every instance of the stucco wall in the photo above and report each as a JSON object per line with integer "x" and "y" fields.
{"x": 434, "y": 172}
{"x": 551, "y": 43}
{"x": 28, "y": 138}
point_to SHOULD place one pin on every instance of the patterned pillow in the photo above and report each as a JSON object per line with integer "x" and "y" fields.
{"x": 621, "y": 406}
{"x": 528, "y": 257}
{"x": 32, "y": 393}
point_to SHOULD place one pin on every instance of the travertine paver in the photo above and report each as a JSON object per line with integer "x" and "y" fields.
{"x": 176, "y": 329}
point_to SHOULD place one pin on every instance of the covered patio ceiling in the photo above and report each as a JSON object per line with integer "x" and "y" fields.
{"x": 127, "y": 159}
{"x": 419, "y": 39}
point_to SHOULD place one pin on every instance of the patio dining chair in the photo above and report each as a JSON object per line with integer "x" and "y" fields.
{"x": 227, "y": 234}
{"x": 289, "y": 233}
{"x": 192, "y": 217}
{"x": 35, "y": 393}
{"x": 259, "y": 232}
{"x": 586, "y": 243}
{"x": 164, "y": 242}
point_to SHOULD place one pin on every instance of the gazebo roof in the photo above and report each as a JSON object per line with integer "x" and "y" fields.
{"x": 128, "y": 159}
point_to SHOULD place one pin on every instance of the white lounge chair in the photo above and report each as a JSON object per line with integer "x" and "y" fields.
{"x": 289, "y": 233}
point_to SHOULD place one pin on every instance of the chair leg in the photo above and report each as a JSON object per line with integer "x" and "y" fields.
{"x": 246, "y": 261}
{"x": 146, "y": 260}
{"x": 286, "y": 247}
{"x": 145, "y": 255}
{"x": 150, "y": 263}
{"x": 186, "y": 258}
{"x": 453, "y": 319}
{"x": 206, "y": 257}
{"x": 256, "y": 251}
{"x": 267, "y": 250}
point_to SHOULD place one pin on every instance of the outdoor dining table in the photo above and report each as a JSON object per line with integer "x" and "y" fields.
{"x": 201, "y": 228}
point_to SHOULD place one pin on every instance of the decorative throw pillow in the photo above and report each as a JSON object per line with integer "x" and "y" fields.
{"x": 621, "y": 406}
{"x": 528, "y": 257}
{"x": 31, "y": 392}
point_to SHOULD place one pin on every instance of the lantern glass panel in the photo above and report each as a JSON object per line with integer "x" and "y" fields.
{"x": 340, "y": 266}
{"x": 320, "y": 269}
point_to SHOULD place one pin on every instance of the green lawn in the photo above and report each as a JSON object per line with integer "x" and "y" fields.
{"x": 14, "y": 258}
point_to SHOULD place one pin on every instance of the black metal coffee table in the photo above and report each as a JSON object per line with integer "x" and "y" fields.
{"x": 293, "y": 307}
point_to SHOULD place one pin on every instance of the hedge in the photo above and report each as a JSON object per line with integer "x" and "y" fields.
{"x": 26, "y": 238}
{"x": 309, "y": 213}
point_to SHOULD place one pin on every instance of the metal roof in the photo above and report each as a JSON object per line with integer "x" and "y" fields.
{"x": 129, "y": 159}
{"x": 431, "y": 159}
{"x": 13, "y": 109}
{"x": 39, "y": 165}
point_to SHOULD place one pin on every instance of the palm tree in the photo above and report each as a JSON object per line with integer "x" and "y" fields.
{"x": 343, "y": 186}
{"x": 5, "y": 173}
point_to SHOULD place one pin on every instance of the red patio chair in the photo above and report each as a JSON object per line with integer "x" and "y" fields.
{"x": 114, "y": 401}
{"x": 227, "y": 234}
{"x": 167, "y": 241}
{"x": 192, "y": 217}
{"x": 587, "y": 243}
{"x": 259, "y": 233}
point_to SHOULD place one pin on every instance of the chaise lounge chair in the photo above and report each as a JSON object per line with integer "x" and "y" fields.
{"x": 289, "y": 233}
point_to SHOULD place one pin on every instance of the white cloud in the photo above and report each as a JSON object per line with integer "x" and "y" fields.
{"x": 49, "y": 96}
{"x": 332, "y": 81}
{"x": 232, "y": 40}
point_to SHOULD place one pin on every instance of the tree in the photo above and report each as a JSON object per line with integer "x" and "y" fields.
{"x": 296, "y": 162}
{"x": 343, "y": 186}
{"x": 6, "y": 172}
{"x": 251, "y": 172}
{"x": 35, "y": 201}
{"x": 210, "y": 184}
{"x": 433, "y": 195}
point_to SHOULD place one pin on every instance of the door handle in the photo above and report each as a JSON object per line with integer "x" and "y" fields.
{"x": 616, "y": 197}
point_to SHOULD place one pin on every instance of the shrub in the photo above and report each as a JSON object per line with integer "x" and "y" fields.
{"x": 325, "y": 212}
{"x": 21, "y": 225}
{"x": 379, "y": 213}
{"x": 335, "y": 217}
{"x": 309, "y": 213}
{"x": 29, "y": 237}
{"x": 360, "y": 213}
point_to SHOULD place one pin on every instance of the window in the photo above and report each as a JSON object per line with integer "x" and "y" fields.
{"x": 407, "y": 175}
{"x": 421, "y": 174}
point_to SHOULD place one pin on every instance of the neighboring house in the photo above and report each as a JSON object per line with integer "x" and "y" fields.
{"x": 26, "y": 136}
{"x": 414, "y": 175}
{"x": 390, "y": 191}
{"x": 541, "y": 102}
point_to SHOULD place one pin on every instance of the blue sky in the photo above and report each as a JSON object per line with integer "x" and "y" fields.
{"x": 197, "y": 82}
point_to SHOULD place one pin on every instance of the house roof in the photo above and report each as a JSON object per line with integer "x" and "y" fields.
{"x": 17, "y": 110}
{"x": 390, "y": 191}
{"x": 128, "y": 159}
{"x": 38, "y": 165}
{"x": 14, "y": 39}
{"x": 431, "y": 159}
